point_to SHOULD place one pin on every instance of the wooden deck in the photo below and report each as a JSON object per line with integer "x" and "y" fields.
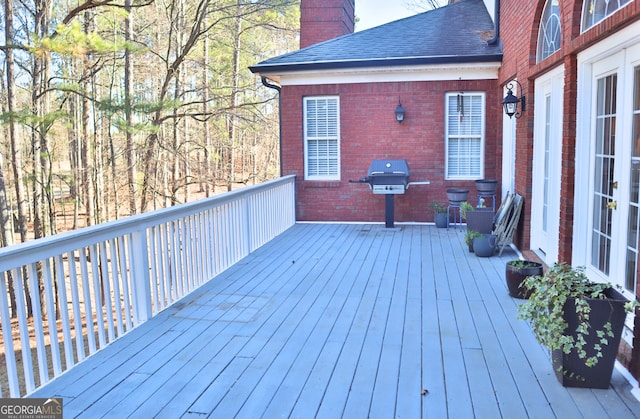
{"x": 333, "y": 320}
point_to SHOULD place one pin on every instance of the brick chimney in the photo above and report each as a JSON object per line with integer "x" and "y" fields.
{"x": 321, "y": 20}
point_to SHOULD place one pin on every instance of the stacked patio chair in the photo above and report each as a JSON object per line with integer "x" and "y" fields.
{"x": 506, "y": 220}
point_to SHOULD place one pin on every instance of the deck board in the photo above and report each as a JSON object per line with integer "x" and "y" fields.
{"x": 338, "y": 320}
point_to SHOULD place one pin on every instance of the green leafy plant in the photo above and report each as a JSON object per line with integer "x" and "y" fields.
{"x": 470, "y": 235}
{"x": 519, "y": 263}
{"x": 544, "y": 310}
{"x": 438, "y": 208}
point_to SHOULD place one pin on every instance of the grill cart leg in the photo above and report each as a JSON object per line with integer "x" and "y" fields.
{"x": 388, "y": 211}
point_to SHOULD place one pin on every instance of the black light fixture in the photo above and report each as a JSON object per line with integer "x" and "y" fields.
{"x": 510, "y": 101}
{"x": 399, "y": 112}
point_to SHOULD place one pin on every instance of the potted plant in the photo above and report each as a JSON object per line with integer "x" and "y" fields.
{"x": 516, "y": 271}
{"x": 469, "y": 236}
{"x": 440, "y": 215}
{"x": 479, "y": 219}
{"x": 580, "y": 321}
{"x": 485, "y": 245}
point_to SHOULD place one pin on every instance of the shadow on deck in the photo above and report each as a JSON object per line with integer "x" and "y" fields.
{"x": 334, "y": 320}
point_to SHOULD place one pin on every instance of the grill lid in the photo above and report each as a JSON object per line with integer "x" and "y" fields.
{"x": 398, "y": 168}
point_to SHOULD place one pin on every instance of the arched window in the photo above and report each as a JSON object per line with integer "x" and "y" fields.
{"x": 550, "y": 32}
{"x": 593, "y": 11}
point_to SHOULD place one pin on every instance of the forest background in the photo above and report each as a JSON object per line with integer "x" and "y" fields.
{"x": 110, "y": 108}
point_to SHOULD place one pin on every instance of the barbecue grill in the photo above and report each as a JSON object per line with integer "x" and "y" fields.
{"x": 389, "y": 178}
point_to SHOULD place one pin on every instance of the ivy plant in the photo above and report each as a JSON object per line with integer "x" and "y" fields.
{"x": 544, "y": 310}
{"x": 520, "y": 264}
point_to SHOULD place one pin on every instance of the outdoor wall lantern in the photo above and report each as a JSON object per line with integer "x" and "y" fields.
{"x": 399, "y": 112}
{"x": 510, "y": 101}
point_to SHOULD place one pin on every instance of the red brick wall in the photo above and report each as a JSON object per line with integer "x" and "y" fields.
{"x": 516, "y": 20}
{"x": 369, "y": 131}
{"x": 321, "y": 20}
{"x": 519, "y": 22}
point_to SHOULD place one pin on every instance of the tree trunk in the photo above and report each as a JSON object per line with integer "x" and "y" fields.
{"x": 175, "y": 155}
{"x": 88, "y": 151}
{"x": 75, "y": 159}
{"x": 205, "y": 170}
{"x": 128, "y": 90}
{"x": 16, "y": 162}
{"x": 233, "y": 103}
{"x": 41, "y": 199}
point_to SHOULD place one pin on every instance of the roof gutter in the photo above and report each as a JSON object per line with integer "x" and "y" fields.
{"x": 496, "y": 24}
{"x": 266, "y": 83}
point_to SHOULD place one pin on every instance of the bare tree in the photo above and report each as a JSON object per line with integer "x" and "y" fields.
{"x": 135, "y": 95}
{"x": 424, "y": 5}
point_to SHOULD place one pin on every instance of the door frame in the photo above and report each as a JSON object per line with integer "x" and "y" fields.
{"x": 612, "y": 55}
{"x": 545, "y": 244}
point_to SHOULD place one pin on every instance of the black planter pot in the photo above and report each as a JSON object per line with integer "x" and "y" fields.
{"x": 516, "y": 276}
{"x": 441, "y": 220}
{"x": 480, "y": 220}
{"x": 570, "y": 370}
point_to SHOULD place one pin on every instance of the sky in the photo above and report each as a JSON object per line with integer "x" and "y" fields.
{"x": 377, "y": 12}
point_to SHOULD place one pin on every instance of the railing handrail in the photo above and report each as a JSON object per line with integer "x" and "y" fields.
{"x": 101, "y": 281}
{"x": 20, "y": 254}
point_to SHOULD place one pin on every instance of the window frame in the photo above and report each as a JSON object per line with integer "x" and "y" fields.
{"x": 546, "y": 30}
{"x": 306, "y": 139}
{"x": 586, "y": 23}
{"x": 481, "y": 136}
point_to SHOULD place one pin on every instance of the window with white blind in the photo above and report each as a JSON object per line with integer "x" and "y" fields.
{"x": 464, "y": 141}
{"x": 321, "y": 138}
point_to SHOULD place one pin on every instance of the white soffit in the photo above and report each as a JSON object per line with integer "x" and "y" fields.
{"x": 443, "y": 72}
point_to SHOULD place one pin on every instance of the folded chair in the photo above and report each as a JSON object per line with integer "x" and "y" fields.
{"x": 507, "y": 219}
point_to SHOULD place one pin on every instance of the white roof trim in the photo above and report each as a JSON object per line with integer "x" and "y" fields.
{"x": 441, "y": 72}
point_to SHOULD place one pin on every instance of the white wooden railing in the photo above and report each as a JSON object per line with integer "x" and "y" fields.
{"x": 97, "y": 283}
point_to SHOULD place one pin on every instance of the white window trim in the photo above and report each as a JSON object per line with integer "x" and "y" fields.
{"x": 482, "y": 135}
{"x": 304, "y": 128}
{"x": 585, "y": 6}
{"x": 544, "y": 33}
{"x": 607, "y": 49}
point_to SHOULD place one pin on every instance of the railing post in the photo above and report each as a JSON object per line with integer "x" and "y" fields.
{"x": 139, "y": 257}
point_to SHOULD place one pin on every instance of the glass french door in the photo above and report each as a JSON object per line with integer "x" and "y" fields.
{"x": 614, "y": 199}
{"x": 633, "y": 238}
{"x": 605, "y": 175}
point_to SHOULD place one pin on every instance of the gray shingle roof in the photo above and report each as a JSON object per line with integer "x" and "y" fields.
{"x": 457, "y": 33}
